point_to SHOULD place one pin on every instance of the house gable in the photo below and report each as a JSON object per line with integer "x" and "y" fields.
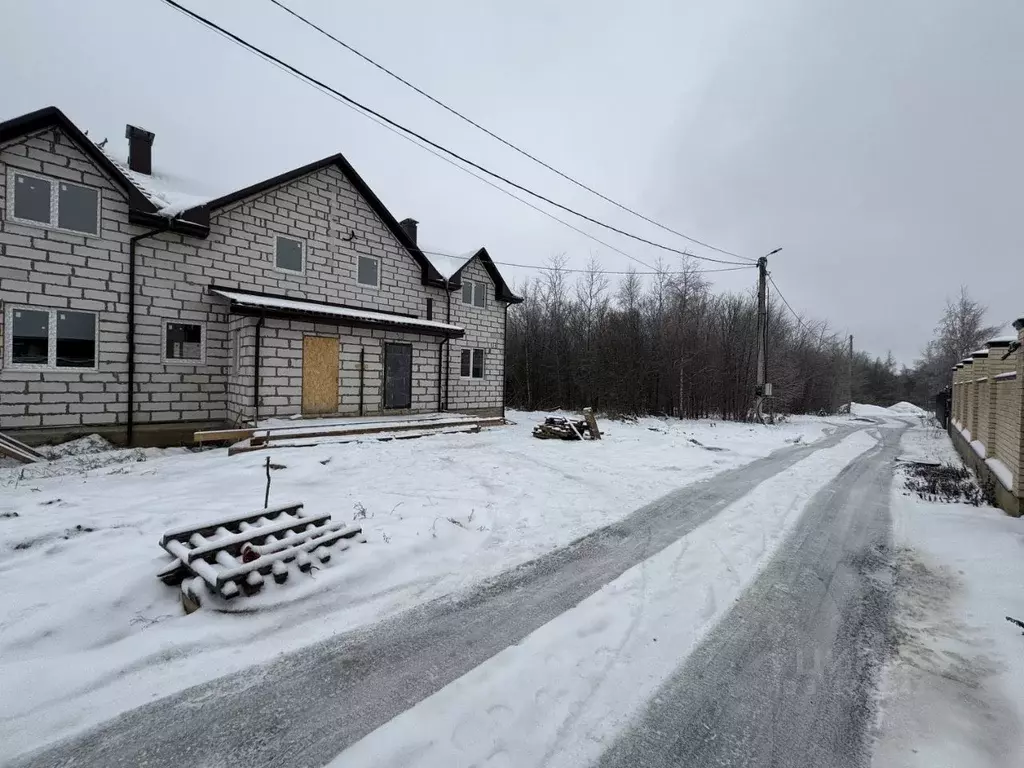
{"x": 334, "y": 226}
{"x": 353, "y": 183}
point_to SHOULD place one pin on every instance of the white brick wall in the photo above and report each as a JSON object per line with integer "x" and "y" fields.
{"x": 46, "y": 268}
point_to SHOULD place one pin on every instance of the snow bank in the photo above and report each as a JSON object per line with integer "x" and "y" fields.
{"x": 954, "y": 692}
{"x": 590, "y": 669}
{"x": 461, "y": 508}
{"x": 907, "y": 409}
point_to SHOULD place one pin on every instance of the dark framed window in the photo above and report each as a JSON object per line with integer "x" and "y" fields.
{"x": 183, "y": 342}
{"x": 288, "y": 254}
{"x": 77, "y": 208}
{"x": 53, "y": 203}
{"x": 368, "y": 271}
{"x": 52, "y": 338}
{"x": 76, "y": 340}
{"x": 30, "y": 337}
{"x": 474, "y": 293}
{"x": 472, "y": 364}
{"x": 32, "y": 198}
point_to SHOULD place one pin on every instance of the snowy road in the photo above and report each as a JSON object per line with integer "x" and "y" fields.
{"x": 307, "y": 707}
{"x": 789, "y": 676}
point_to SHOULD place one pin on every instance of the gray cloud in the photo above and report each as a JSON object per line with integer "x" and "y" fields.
{"x": 877, "y": 142}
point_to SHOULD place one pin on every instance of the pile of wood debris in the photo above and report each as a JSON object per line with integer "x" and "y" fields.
{"x": 561, "y": 428}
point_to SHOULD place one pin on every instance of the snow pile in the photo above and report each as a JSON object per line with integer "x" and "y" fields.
{"x": 901, "y": 409}
{"x": 78, "y": 447}
{"x": 462, "y": 508}
{"x": 907, "y": 409}
{"x": 954, "y": 692}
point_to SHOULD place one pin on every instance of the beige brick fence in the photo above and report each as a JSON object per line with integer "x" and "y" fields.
{"x": 985, "y": 419}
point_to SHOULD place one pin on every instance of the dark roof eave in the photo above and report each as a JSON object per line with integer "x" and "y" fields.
{"x": 356, "y": 180}
{"x": 182, "y": 226}
{"x": 502, "y": 292}
{"x": 50, "y": 117}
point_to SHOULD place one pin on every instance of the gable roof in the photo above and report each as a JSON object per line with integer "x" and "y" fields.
{"x": 141, "y": 207}
{"x": 151, "y": 204}
{"x": 51, "y": 117}
{"x": 451, "y": 267}
{"x": 338, "y": 161}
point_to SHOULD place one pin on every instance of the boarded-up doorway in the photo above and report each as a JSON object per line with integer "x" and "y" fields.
{"x": 319, "y": 374}
{"x": 398, "y": 375}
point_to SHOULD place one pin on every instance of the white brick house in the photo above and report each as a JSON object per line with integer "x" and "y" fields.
{"x": 145, "y": 316}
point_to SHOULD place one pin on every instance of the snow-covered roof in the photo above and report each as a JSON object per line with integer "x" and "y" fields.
{"x": 167, "y": 192}
{"x": 1000, "y": 340}
{"x": 385, "y": 318}
{"x": 447, "y": 265}
{"x": 981, "y": 352}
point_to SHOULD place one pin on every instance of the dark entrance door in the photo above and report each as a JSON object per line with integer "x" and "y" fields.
{"x": 398, "y": 375}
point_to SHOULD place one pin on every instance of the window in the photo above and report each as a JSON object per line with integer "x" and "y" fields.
{"x": 183, "y": 342}
{"x": 368, "y": 271}
{"x": 474, "y": 293}
{"x": 289, "y": 254}
{"x": 53, "y": 203}
{"x": 472, "y": 364}
{"x": 51, "y": 338}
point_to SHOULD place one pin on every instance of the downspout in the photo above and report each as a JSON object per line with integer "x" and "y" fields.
{"x": 504, "y": 363}
{"x": 362, "y": 358}
{"x": 440, "y": 369}
{"x": 130, "y": 423}
{"x": 447, "y": 346}
{"x": 256, "y": 374}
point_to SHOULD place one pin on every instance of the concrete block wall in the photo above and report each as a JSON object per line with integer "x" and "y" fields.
{"x": 485, "y": 329}
{"x": 281, "y": 369}
{"x": 46, "y": 268}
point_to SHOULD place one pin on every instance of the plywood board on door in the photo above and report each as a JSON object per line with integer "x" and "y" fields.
{"x": 319, "y": 374}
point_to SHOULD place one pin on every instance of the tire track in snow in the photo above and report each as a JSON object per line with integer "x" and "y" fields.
{"x": 307, "y": 707}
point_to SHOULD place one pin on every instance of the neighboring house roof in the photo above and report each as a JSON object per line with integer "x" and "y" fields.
{"x": 450, "y": 268}
{"x": 247, "y": 302}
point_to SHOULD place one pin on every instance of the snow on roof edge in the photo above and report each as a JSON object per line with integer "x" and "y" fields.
{"x": 447, "y": 265}
{"x": 258, "y": 300}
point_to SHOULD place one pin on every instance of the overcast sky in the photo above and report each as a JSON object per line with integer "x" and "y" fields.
{"x": 878, "y": 142}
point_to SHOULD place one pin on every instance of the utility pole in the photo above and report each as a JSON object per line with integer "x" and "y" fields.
{"x": 763, "y": 388}
{"x": 849, "y": 374}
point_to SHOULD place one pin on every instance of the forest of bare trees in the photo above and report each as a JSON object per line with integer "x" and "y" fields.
{"x": 667, "y": 344}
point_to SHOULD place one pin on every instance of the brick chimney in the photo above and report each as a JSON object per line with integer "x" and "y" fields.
{"x": 140, "y": 149}
{"x": 409, "y": 226}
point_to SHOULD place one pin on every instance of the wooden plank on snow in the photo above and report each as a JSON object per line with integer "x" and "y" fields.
{"x": 219, "y": 435}
{"x": 17, "y": 450}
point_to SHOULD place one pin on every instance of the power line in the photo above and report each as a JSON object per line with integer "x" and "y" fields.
{"x": 799, "y": 320}
{"x": 323, "y": 86}
{"x": 495, "y": 136}
{"x": 541, "y": 267}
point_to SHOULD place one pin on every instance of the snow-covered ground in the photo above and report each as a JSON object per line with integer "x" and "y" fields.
{"x": 954, "y": 693}
{"x": 574, "y": 684}
{"x": 88, "y": 631}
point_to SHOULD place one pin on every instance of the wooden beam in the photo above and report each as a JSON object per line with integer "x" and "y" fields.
{"x": 220, "y": 435}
